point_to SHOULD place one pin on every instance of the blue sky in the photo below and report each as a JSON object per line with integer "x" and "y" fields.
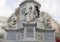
{"x": 8, "y": 7}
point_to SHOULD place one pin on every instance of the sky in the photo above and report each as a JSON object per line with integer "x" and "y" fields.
{"x": 52, "y": 7}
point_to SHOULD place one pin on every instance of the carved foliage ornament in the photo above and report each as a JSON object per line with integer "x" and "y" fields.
{"x": 38, "y": 36}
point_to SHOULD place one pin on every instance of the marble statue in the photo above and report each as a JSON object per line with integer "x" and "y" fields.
{"x": 29, "y": 16}
{"x": 49, "y": 23}
{"x": 32, "y": 14}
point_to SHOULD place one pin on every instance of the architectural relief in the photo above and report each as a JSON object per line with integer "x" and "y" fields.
{"x": 28, "y": 28}
{"x": 30, "y": 15}
{"x": 49, "y": 25}
{"x": 39, "y": 36}
{"x": 45, "y": 18}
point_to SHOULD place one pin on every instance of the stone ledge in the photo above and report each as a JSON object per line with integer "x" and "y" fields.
{"x": 45, "y": 30}
{"x": 30, "y": 24}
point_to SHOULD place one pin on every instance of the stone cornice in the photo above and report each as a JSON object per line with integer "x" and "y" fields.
{"x": 45, "y": 30}
{"x": 29, "y": 1}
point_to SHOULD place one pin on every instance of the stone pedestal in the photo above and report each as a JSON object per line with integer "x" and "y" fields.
{"x": 29, "y": 29}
